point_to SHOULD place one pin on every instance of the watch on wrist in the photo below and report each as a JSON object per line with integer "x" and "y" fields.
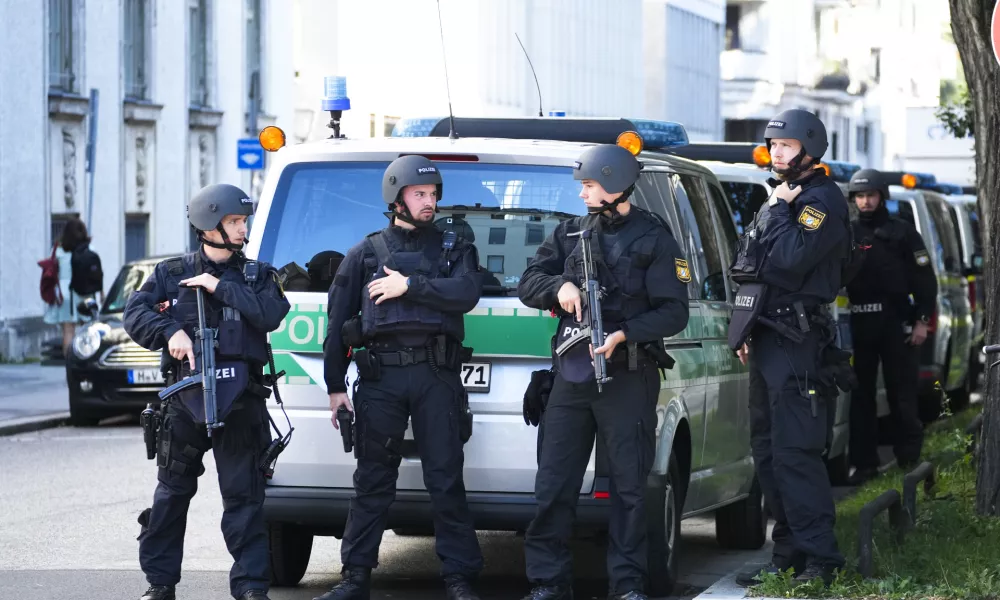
{"x": 407, "y": 283}
{"x": 924, "y": 319}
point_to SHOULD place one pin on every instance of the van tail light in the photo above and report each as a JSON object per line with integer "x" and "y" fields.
{"x": 972, "y": 294}
{"x": 932, "y": 323}
{"x": 601, "y": 495}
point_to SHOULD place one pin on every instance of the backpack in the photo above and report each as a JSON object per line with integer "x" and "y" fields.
{"x": 49, "y": 284}
{"x": 88, "y": 277}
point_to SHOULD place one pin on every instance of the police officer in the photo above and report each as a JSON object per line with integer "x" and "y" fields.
{"x": 640, "y": 267}
{"x": 412, "y": 284}
{"x": 789, "y": 267}
{"x": 244, "y": 302}
{"x": 885, "y": 325}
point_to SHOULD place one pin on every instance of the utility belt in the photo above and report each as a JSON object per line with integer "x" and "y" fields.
{"x": 634, "y": 355}
{"x": 440, "y": 352}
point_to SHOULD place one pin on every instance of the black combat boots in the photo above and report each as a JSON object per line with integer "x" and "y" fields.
{"x": 550, "y": 592}
{"x": 159, "y": 592}
{"x": 355, "y": 584}
{"x": 459, "y": 588}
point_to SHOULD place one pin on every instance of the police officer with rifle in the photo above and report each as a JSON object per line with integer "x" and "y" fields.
{"x": 886, "y": 326}
{"x": 216, "y": 394}
{"x": 412, "y": 284}
{"x": 608, "y": 350}
{"x": 789, "y": 267}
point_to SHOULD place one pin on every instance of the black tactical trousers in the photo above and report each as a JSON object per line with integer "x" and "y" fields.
{"x": 431, "y": 400}
{"x": 880, "y": 336}
{"x": 625, "y": 415}
{"x": 237, "y": 449}
{"x": 787, "y": 438}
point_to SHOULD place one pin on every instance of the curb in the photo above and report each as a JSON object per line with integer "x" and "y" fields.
{"x": 33, "y": 423}
{"x": 727, "y": 589}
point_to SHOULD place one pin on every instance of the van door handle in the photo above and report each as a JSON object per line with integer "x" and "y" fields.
{"x": 685, "y": 345}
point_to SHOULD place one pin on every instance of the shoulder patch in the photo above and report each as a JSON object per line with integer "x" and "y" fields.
{"x": 811, "y": 218}
{"x": 682, "y": 269}
{"x": 921, "y": 257}
{"x": 175, "y": 266}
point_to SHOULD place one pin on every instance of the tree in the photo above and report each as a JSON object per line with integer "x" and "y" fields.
{"x": 971, "y": 27}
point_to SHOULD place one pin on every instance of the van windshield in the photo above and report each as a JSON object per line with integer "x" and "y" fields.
{"x": 505, "y": 210}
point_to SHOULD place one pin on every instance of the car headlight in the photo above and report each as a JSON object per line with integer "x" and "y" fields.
{"x": 87, "y": 341}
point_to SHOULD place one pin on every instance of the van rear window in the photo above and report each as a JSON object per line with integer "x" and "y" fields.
{"x": 505, "y": 210}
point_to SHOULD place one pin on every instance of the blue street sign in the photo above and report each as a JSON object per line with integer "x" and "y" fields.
{"x": 249, "y": 154}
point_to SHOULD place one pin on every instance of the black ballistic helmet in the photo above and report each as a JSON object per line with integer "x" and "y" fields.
{"x": 868, "y": 180}
{"x": 409, "y": 170}
{"x": 801, "y": 125}
{"x": 213, "y": 202}
{"x": 614, "y": 167}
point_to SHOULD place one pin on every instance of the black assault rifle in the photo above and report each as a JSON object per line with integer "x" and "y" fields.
{"x": 596, "y": 328}
{"x": 205, "y": 376}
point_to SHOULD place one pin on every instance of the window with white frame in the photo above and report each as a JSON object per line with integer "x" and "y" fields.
{"x": 198, "y": 36}
{"x": 136, "y": 49}
{"x": 255, "y": 75}
{"x": 62, "y": 46}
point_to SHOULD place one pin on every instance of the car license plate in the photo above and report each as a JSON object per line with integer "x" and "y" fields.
{"x": 476, "y": 376}
{"x": 144, "y": 376}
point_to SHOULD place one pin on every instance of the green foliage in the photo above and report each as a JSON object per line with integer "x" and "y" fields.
{"x": 957, "y": 112}
{"x": 952, "y": 553}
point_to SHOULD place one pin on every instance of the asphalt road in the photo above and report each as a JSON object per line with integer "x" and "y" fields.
{"x": 69, "y": 498}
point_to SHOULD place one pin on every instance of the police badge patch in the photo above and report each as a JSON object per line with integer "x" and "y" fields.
{"x": 810, "y": 218}
{"x": 683, "y": 271}
{"x": 922, "y": 259}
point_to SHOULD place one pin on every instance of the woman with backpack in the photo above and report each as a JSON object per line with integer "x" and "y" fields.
{"x": 80, "y": 277}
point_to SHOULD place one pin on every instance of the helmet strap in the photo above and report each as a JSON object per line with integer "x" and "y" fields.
{"x": 611, "y": 207}
{"x": 225, "y": 245}
{"x": 795, "y": 167}
{"x": 404, "y": 215}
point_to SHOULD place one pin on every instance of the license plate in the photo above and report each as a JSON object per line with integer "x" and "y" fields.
{"x": 476, "y": 376}
{"x": 145, "y": 376}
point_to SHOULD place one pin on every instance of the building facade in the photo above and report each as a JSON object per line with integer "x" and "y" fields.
{"x": 175, "y": 81}
{"x": 623, "y": 58}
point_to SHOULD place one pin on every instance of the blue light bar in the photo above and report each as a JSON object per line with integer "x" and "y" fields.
{"x": 841, "y": 171}
{"x": 655, "y": 134}
{"x": 335, "y": 93}
{"x": 661, "y": 134}
{"x": 557, "y": 113}
{"x": 950, "y": 189}
{"x": 415, "y": 127}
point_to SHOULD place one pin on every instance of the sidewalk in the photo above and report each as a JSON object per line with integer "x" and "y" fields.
{"x": 31, "y": 396}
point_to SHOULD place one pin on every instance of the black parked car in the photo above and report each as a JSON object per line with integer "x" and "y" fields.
{"x": 107, "y": 373}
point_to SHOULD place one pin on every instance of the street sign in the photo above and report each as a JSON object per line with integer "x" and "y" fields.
{"x": 249, "y": 154}
{"x": 995, "y": 31}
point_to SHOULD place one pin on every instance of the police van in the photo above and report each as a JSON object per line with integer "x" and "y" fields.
{"x": 743, "y": 169}
{"x": 965, "y": 216}
{"x": 944, "y": 356}
{"x": 507, "y": 184}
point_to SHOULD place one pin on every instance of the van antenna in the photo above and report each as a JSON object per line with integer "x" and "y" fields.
{"x": 537, "y": 87}
{"x": 451, "y": 116}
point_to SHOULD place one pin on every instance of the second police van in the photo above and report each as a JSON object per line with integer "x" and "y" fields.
{"x": 507, "y": 183}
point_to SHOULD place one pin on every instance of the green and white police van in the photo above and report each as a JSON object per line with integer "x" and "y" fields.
{"x": 507, "y": 183}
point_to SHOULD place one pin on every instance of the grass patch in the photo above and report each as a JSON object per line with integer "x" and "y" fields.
{"x": 951, "y": 553}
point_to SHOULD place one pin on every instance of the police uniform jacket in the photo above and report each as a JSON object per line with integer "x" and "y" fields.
{"x": 655, "y": 281}
{"x": 806, "y": 243}
{"x": 896, "y": 265}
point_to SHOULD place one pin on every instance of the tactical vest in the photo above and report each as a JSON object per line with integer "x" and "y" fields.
{"x": 621, "y": 274}
{"x": 401, "y": 315}
{"x": 882, "y": 277}
{"x": 237, "y": 340}
{"x": 240, "y": 348}
{"x": 745, "y": 271}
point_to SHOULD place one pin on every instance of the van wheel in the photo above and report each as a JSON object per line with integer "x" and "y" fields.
{"x": 290, "y": 547}
{"x": 743, "y": 525}
{"x": 664, "y": 505}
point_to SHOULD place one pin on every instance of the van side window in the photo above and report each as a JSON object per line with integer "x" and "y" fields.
{"x": 744, "y": 199}
{"x": 653, "y": 193}
{"x": 700, "y": 245}
{"x": 726, "y": 229}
